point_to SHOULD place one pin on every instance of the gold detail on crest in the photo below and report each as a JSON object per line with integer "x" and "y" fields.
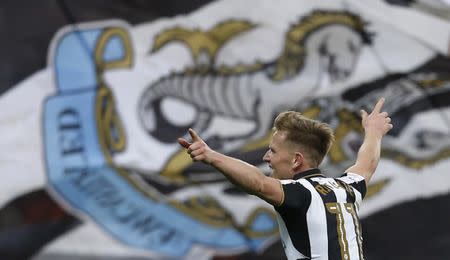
{"x": 375, "y": 187}
{"x": 208, "y": 210}
{"x": 412, "y": 162}
{"x": 291, "y": 61}
{"x": 247, "y": 228}
{"x": 205, "y": 209}
{"x": 239, "y": 69}
{"x": 111, "y": 131}
{"x": 348, "y": 122}
{"x": 222, "y": 70}
{"x": 431, "y": 83}
{"x": 258, "y": 144}
{"x": 176, "y": 165}
{"x": 106, "y": 36}
{"x": 198, "y": 41}
{"x": 312, "y": 112}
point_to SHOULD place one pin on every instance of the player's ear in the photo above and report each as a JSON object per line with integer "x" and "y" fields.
{"x": 297, "y": 160}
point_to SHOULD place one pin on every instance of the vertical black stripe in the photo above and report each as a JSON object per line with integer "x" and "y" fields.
{"x": 293, "y": 211}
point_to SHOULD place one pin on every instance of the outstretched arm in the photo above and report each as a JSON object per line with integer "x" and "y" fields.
{"x": 240, "y": 173}
{"x": 376, "y": 125}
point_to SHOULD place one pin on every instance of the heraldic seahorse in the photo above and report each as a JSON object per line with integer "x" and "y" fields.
{"x": 240, "y": 92}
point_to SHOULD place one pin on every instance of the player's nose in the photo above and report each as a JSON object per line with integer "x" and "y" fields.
{"x": 266, "y": 157}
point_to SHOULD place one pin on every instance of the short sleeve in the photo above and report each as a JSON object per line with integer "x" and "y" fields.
{"x": 356, "y": 181}
{"x": 295, "y": 195}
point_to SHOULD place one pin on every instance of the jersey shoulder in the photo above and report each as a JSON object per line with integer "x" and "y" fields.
{"x": 296, "y": 194}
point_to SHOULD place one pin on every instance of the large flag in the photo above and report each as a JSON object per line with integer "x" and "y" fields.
{"x": 97, "y": 128}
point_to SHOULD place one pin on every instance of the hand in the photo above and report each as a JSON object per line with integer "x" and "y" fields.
{"x": 198, "y": 149}
{"x": 376, "y": 122}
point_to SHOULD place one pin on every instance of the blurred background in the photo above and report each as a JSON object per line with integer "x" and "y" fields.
{"x": 109, "y": 98}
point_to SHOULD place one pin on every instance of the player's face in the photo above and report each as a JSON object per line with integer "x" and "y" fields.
{"x": 279, "y": 157}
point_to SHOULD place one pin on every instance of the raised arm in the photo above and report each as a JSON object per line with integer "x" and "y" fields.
{"x": 240, "y": 173}
{"x": 376, "y": 125}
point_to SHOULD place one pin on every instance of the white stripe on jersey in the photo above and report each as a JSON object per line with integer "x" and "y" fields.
{"x": 358, "y": 198}
{"x": 317, "y": 224}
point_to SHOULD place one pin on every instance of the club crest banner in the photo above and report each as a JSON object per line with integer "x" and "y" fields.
{"x": 121, "y": 95}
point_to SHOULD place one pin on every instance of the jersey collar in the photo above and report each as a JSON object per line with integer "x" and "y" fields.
{"x": 308, "y": 173}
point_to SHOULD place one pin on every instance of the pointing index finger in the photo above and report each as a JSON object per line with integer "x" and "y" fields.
{"x": 379, "y": 105}
{"x": 194, "y": 135}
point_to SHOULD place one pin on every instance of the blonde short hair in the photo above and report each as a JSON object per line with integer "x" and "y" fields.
{"x": 313, "y": 137}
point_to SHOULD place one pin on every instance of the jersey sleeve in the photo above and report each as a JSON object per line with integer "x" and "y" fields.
{"x": 356, "y": 181}
{"x": 295, "y": 195}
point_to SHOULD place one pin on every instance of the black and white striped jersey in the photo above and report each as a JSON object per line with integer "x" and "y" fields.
{"x": 318, "y": 218}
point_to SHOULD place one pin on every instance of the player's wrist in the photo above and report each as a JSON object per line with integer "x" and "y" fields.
{"x": 371, "y": 133}
{"x": 212, "y": 157}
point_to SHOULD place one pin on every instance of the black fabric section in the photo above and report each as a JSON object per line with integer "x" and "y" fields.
{"x": 21, "y": 243}
{"x": 296, "y": 196}
{"x": 293, "y": 211}
{"x": 306, "y": 173}
{"x": 438, "y": 64}
{"x": 354, "y": 94}
{"x": 29, "y": 222}
{"x": 405, "y": 3}
{"x": 427, "y": 102}
{"x": 27, "y": 27}
{"x": 415, "y": 230}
